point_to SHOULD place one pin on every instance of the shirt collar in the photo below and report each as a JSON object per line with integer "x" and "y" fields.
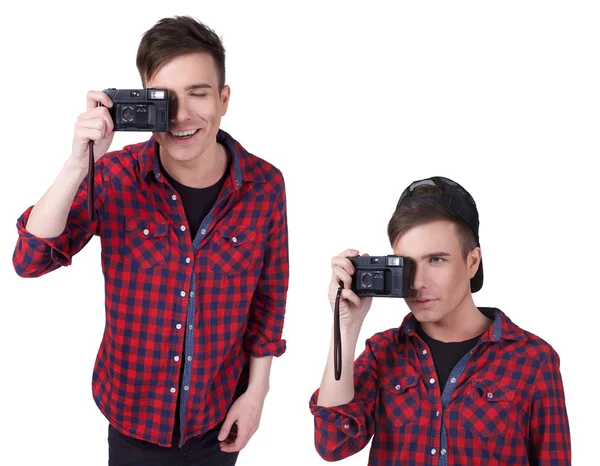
{"x": 244, "y": 166}
{"x": 501, "y": 328}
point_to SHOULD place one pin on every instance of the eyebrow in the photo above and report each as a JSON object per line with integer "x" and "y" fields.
{"x": 198, "y": 86}
{"x": 436, "y": 254}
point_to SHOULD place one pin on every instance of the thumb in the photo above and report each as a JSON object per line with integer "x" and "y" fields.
{"x": 226, "y": 427}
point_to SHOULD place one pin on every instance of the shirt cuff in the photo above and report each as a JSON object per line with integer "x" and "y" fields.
{"x": 348, "y": 418}
{"x": 57, "y": 247}
{"x": 257, "y": 346}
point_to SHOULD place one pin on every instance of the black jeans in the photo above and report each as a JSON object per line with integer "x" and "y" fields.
{"x": 198, "y": 451}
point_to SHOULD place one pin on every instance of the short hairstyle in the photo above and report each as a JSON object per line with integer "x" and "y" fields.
{"x": 420, "y": 211}
{"x": 174, "y": 37}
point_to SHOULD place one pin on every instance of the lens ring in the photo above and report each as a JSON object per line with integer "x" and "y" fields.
{"x": 127, "y": 114}
{"x": 367, "y": 280}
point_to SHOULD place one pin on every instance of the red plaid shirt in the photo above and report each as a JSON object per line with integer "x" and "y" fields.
{"x": 503, "y": 403}
{"x": 226, "y": 290}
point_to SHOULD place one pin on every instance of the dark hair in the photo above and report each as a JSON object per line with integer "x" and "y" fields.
{"x": 419, "y": 211}
{"x": 173, "y": 37}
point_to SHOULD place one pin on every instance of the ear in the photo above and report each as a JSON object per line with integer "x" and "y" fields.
{"x": 473, "y": 261}
{"x": 225, "y": 94}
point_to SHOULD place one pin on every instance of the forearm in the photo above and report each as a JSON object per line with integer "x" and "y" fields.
{"x": 260, "y": 370}
{"x": 338, "y": 392}
{"x": 49, "y": 215}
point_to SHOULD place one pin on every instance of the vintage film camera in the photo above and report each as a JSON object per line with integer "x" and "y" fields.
{"x": 139, "y": 109}
{"x": 383, "y": 276}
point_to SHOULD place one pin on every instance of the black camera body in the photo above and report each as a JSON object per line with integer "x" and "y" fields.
{"x": 383, "y": 276}
{"x": 139, "y": 109}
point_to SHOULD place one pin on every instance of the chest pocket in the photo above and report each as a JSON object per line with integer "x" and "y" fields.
{"x": 486, "y": 407}
{"x": 146, "y": 242}
{"x": 400, "y": 399}
{"x": 231, "y": 249}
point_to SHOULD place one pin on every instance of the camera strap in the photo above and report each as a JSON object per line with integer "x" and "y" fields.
{"x": 91, "y": 176}
{"x": 337, "y": 336}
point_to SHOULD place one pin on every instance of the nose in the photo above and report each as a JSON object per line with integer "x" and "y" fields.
{"x": 178, "y": 111}
{"x": 419, "y": 279}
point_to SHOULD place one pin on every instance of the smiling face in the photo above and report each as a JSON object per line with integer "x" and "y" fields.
{"x": 442, "y": 276}
{"x": 196, "y": 106}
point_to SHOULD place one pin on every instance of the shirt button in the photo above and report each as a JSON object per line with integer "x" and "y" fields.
{"x": 178, "y": 326}
{"x": 346, "y": 426}
{"x": 191, "y": 327}
{"x": 442, "y": 452}
{"x": 176, "y": 358}
{"x": 490, "y": 395}
{"x": 234, "y": 239}
{"x": 237, "y": 182}
{"x": 437, "y": 414}
{"x": 186, "y": 388}
{"x": 182, "y": 294}
{"x": 433, "y": 450}
{"x": 189, "y": 358}
{"x": 432, "y": 381}
{"x": 174, "y": 197}
{"x": 173, "y": 390}
{"x": 182, "y": 227}
{"x": 203, "y": 231}
{"x": 452, "y": 380}
{"x": 424, "y": 351}
{"x": 146, "y": 231}
{"x": 191, "y": 294}
{"x": 188, "y": 260}
{"x": 398, "y": 387}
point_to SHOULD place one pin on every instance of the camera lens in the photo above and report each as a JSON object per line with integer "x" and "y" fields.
{"x": 366, "y": 280}
{"x": 127, "y": 114}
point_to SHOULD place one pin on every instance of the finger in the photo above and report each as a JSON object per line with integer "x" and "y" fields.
{"x": 339, "y": 274}
{"x": 96, "y": 124}
{"x": 88, "y": 134}
{"x": 226, "y": 427}
{"x": 95, "y": 97}
{"x": 240, "y": 442}
{"x": 349, "y": 253}
{"x": 352, "y": 297}
{"x": 344, "y": 263}
{"x": 96, "y": 114}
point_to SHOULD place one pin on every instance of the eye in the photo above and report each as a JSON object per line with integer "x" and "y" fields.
{"x": 198, "y": 95}
{"x": 437, "y": 260}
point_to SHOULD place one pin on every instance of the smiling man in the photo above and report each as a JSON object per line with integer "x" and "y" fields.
{"x": 194, "y": 253}
{"x": 455, "y": 384}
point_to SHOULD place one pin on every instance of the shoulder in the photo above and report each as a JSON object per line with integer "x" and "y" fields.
{"x": 125, "y": 165}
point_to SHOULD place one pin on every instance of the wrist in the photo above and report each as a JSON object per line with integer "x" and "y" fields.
{"x": 258, "y": 390}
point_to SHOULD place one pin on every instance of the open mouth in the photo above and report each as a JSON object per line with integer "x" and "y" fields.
{"x": 184, "y": 134}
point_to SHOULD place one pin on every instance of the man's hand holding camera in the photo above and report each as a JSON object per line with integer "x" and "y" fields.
{"x": 95, "y": 125}
{"x": 353, "y": 309}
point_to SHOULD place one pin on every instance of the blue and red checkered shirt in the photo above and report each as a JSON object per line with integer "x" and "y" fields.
{"x": 225, "y": 290}
{"x": 503, "y": 403}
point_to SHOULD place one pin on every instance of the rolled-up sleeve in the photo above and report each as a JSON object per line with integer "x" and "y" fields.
{"x": 34, "y": 256}
{"x": 267, "y": 309}
{"x": 550, "y": 439}
{"x": 341, "y": 431}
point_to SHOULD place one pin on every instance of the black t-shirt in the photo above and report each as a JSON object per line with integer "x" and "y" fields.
{"x": 446, "y": 355}
{"x": 197, "y": 203}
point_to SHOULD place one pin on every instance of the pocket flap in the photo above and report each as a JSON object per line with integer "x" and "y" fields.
{"x": 399, "y": 384}
{"x": 147, "y": 227}
{"x": 235, "y": 236}
{"x": 493, "y": 391}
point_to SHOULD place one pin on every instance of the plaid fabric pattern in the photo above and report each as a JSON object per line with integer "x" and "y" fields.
{"x": 503, "y": 403}
{"x": 225, "y": 291}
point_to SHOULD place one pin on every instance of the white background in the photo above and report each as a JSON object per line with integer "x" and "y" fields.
{"x": 352, "y": 101}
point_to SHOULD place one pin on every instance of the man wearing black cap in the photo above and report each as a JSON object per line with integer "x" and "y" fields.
{"x": 454, "y": 384}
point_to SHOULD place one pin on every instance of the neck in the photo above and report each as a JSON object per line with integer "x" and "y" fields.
{"x": 202, "y": 171}
{"x": 464, "y": 323}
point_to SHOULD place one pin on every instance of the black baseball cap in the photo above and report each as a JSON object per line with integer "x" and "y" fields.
{"x": 458, "y": 201}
